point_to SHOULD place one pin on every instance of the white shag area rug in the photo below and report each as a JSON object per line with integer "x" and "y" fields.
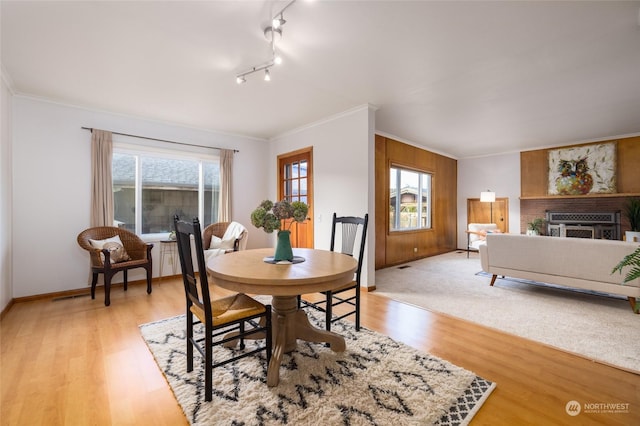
{"x": 596, "y": 326}
{"x": 376, "y": 381}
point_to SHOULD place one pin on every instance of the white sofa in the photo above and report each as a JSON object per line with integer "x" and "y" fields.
{"x": 572, "y": 262}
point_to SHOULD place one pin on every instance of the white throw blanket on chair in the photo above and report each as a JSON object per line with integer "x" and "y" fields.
{"x": 222, "y": 245}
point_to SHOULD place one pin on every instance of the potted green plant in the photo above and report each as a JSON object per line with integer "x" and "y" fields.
{"x": 535, "y": 226}
{"x": 632, "y": 260}
{"x": 632, "y": 211}
{"x": 272, "y": 216}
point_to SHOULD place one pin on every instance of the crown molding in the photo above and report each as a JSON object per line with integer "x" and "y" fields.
{"x": 8, "y": 81}
{"x": 136, "y": 117}
{"x": 417, "y": 145}
{"x": 325, "y": 120}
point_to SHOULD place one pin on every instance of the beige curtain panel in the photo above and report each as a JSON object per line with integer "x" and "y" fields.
{"x": 226, "y": 170}
{"x": 101, "y": 181}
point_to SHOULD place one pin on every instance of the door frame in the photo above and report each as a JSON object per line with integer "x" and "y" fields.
{"x": 500, "y": 212}
{"x": 307, "y": 154}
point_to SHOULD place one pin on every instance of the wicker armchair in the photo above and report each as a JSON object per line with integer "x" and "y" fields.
{"x": 218, "y": 230}
{"x": 138, "y": 251}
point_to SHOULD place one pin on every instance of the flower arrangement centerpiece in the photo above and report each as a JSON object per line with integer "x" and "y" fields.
{"x": 270, "y": 216}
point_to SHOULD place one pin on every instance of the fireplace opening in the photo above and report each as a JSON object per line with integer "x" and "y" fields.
{"x": 600, "y": 225}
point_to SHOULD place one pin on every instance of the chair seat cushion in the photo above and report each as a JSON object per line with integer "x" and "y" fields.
{"x": 230, "y": 308}
{"x": 117, "y": 253}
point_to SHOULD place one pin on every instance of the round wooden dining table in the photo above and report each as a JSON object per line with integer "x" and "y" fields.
{"x": 246, "y": 271}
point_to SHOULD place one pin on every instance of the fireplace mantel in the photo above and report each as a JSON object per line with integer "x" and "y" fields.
{"x": 563, "y": 197}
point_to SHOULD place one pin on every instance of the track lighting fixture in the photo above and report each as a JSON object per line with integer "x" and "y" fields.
{"x": 241, "y": 78}
{"x": 273, "y": 34}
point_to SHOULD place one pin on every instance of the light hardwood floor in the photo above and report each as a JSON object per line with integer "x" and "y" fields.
{"x": 76, "y": 362}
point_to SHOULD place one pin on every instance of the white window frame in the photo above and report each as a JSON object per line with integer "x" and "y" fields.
{"x": 395, "y": 227}
{"x": 121, "y": 146}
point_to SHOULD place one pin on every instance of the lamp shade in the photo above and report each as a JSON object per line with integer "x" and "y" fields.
{"x": 487, "y": 197}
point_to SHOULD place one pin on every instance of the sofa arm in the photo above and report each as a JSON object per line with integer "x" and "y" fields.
{"x": 484, "y": 257}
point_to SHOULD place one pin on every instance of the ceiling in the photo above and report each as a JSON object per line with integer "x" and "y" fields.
{"x": 461, "y": 78}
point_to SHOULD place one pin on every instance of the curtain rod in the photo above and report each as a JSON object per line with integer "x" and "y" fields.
{"x": 161, "y": 140}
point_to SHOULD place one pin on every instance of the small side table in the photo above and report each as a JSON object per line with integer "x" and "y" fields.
{"x": 169, "y": 248}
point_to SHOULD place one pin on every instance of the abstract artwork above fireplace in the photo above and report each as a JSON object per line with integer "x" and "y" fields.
{"x": 582, "y": 170}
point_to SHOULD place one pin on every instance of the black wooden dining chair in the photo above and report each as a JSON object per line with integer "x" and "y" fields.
{"x": 225, "y": 319}
{"x": 353, "y": 235}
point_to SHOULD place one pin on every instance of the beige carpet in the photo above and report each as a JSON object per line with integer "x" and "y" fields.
{"x": 376, "y": 381}
{"x": 597, "y": 327}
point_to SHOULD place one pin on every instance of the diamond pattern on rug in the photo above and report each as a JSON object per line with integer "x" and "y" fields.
{"x": 376, "y": 381}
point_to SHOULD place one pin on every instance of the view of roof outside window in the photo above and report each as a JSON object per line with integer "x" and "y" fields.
{"x": 168, "y": 187}
{"x": 415, "y": 197}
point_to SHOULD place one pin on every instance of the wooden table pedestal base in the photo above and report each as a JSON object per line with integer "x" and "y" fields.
{"x": 290, "y": 324}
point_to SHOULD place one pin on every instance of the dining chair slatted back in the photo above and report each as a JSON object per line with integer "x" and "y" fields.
{"x": 351, "y": 231}
{"x": 226, "y": 320}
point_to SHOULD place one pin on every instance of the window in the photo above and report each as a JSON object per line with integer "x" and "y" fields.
{"x": 149, "y": 188}
{"x": 295, "y": 181}
{"x": 409, "y": 200}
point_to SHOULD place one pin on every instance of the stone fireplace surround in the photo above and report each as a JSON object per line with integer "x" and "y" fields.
{"x": 538, "y": 207}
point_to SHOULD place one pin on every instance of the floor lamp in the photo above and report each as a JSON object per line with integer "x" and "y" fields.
{"x": 488, "y": 197}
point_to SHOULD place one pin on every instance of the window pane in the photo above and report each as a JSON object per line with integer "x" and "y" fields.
{"x": 408, "y": 199}
{"x": 166, "y": 187}
{"x": 393, "y": 194}
{"x": 124, "y": 194}
{"x": 211, "y": 192}
{"x": 426, "y": 202}
{"x": 303, "y": 186}
{"x": 169, "y": 187}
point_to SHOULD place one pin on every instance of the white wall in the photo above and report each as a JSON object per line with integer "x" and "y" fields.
{"x": 5, "y": 194}
{"x": 51, "y": 187}
{"x": 343, "y": 148}
{"x": 499, "y": 173}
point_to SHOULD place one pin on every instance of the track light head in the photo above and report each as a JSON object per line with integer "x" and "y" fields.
{"x": 267, "y": 76}
{"x": 278, "y": 22}
{"x": 273, "y": 34}
{"x": 240, "y": 79}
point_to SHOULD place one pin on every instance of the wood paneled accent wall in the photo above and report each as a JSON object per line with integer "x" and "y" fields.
{"x": 534, "y": 169}
{"x": 400, "y": 247}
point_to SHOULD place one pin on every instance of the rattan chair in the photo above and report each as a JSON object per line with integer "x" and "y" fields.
{"x": 224, "y": 319}
{"x": 218, "y": 230}
{"x": 350, "y": 229}
{"x": 138, "y": 251}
